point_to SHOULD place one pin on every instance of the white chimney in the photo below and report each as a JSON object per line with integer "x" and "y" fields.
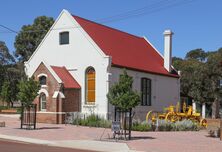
{"x": 168, "y": 49}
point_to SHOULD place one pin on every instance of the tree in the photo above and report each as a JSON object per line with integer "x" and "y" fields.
{"x": 5, "y": 56}
{"x": 214, "y": 74}
{"x": 11, "y": 76}
{"x": 197, "y": 54}
{"x": 6, "y": 61}
{"x": 6, "y": 93}
{"x": 177, "y": 63}
{"x": 200, "y": 76}
{"x": 30, "y": 36}
{"x": 28, "y": 90}
{"x": 122, "y": 95}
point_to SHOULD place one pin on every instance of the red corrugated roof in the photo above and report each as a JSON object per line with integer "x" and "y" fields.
{"x": 126, "y": 50}
{"x": 66, "y": 77}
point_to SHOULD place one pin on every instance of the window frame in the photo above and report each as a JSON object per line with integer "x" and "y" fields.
{"x": 41, "y": 102}
{"x": 146, "y": 92}
{"x": 61, "y": 38}
{"x": 86, "y": 86}
{"x": 40, "y": 81}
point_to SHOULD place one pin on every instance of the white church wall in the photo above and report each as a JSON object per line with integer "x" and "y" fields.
{"x": 165, "y": 91}
{"x": 77, "y": 56}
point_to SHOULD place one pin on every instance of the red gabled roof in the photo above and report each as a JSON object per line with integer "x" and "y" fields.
{"x": 67, "y": 79}
{"x": 126, "y": 50}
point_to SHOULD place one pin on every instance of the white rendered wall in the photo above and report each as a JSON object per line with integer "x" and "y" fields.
{"x": 165, "y": 90}
{"x": 78, "y": 55}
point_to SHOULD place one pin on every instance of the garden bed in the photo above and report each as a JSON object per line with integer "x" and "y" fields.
{"x": 7, "y": 110}
{"x": 96, "y": 121}
{"x": 162, "y": 125}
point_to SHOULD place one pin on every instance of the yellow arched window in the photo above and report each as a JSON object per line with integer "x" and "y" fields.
{"x": 90, "y": 85}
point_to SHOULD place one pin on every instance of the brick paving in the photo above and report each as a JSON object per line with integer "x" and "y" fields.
{"x": 141, "y": 141}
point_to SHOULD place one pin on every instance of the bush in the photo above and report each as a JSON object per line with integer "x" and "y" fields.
{"x": 93, "y": 121}
{"x": 163, "y": 125}
{"x": 7, "y": 108}
{"x": 186, "y": 125}
{"x": 3, "y": 107}
{"x": 142, "y": 126}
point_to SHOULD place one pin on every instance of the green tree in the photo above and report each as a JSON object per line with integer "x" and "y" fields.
{"x": 6, "y": 93}
{"x": 122, "y": 95}
{"x": 197, "y": 54}
{"x": 6, "y": 61}
{"x": 214, "y": 74}
{"x": 11, "y": 76}
{"x": 30, "y": 36}
{"x": 200, "y": 76}
{"x": 5, "y": 56}
{"x": 28, "y": 90}
{"x": 177, "y": 63}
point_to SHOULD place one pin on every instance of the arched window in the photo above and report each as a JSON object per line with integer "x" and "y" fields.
{"x": 42, "y": 106}
{"x": 90, "y": 85}
{"x": 42, "y": 80}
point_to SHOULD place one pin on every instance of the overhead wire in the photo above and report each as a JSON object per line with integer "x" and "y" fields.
{"x": 131, "y": 12}
{"x": 146, "y": 12}
{"x": 9, "y": 29}
{"x": 152, "y": 8}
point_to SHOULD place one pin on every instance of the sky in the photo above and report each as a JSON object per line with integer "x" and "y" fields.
{"x": 195, "y": 23}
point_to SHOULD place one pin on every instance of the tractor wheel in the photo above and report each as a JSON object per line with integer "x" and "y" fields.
{"x": 203, "y": 122}
{"x": 149, "y": 116}
{"x": 172, "y": 117}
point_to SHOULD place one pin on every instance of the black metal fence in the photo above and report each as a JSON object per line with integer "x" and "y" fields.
{"x": 124, "y": 117}
{"x": 28, "y": 116}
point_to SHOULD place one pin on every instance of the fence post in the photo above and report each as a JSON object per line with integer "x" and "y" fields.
{"x": 130, "y": 122}
{"x": 22, "y": 116}
{"x": 35, "y": 110}
{"x": 220, "y": 129}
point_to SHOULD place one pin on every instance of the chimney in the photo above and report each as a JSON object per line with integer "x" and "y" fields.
{"x": 168, "y": 49}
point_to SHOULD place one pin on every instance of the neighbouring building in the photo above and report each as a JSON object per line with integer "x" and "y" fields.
{"x": 78, "y": 60}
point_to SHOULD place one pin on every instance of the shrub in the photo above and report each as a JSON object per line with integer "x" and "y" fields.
{"x": 144, "y": 126}
{"x": 164, "y": 125}
{"x": 186, "y": 125}
{"x": 3, "y": 107}
{"x": 92, "y": 121}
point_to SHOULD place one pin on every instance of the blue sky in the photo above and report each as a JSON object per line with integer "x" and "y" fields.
{"x": 197, "y": 24}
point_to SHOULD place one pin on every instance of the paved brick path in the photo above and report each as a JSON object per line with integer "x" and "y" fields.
{"x": 142, "y": 141}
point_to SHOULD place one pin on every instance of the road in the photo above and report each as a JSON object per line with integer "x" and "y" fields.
{"x": 13, "y": 146}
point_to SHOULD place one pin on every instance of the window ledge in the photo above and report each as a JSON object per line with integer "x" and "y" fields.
{"x": 44, "y": 86}
{"x": 89, "y": 105}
